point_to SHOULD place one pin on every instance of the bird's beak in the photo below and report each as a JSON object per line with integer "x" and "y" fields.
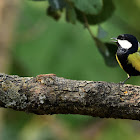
{"x": 114, "y": 39}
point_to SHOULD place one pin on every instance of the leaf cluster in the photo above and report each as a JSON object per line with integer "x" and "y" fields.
{"x": 87, "y": 12}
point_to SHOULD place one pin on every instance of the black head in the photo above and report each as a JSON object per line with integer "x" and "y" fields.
{"x": 132, "y": 39}
{"x": 127, "y": 42}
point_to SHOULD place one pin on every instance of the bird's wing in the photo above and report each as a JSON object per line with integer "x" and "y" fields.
{"x": 134, "y": 59}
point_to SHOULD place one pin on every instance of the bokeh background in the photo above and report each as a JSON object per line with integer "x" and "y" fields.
{"x": 33, "y": 43}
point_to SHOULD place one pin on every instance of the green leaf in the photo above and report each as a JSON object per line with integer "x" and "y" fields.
{"x": 57, "y": 4}
{"x": 56, "y": 14}
{"x": 55, "y": 8}
{"x": 101, "y": 32}
{"x": 110, "y": 60}
{"x": 70, "y": 14}
{"x": 108, "y": 51}
{"x": 88, "y": 6}
{"x": 38, "y": 0}
{"x": 106, "y": 12}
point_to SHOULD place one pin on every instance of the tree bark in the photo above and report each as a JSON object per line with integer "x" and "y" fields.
{"x": 49, "y": 94}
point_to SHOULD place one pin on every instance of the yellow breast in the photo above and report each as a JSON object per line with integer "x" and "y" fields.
{"x": 134, "y": 60}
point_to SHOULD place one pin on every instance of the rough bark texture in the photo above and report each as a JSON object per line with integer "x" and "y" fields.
{"x": 49, "y": 94}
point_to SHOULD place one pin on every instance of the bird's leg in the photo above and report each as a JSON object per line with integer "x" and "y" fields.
{"x": 126, "y": 79}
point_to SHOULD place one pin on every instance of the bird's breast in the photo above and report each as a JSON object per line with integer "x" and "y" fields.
{"x": 134, "y": 60}
{"x": 121, "y": 58}
{"x": 129, "y": 63}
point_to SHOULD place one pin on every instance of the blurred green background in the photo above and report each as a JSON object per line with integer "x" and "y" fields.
{"x": 42, "y": 45}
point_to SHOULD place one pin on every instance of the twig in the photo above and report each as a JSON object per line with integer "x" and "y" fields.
{"x": 87, "y": 26}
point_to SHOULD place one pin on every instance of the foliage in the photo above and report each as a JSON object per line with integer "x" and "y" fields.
{"x": 95, "y": 11}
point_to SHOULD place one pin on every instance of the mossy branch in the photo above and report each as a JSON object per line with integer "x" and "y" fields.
{"x": 49, "y": 94}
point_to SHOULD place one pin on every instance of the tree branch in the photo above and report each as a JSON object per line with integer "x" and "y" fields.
{"x": 49, "y": 94}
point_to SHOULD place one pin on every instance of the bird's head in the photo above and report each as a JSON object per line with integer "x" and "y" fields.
{"x": 127, "y": 42}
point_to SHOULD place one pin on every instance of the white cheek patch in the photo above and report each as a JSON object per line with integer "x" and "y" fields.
{"x": 125, "y": 44}
{"x": 138, "y": 44}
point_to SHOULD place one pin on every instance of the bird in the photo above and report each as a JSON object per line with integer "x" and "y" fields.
{"x": 128, "y": 54}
